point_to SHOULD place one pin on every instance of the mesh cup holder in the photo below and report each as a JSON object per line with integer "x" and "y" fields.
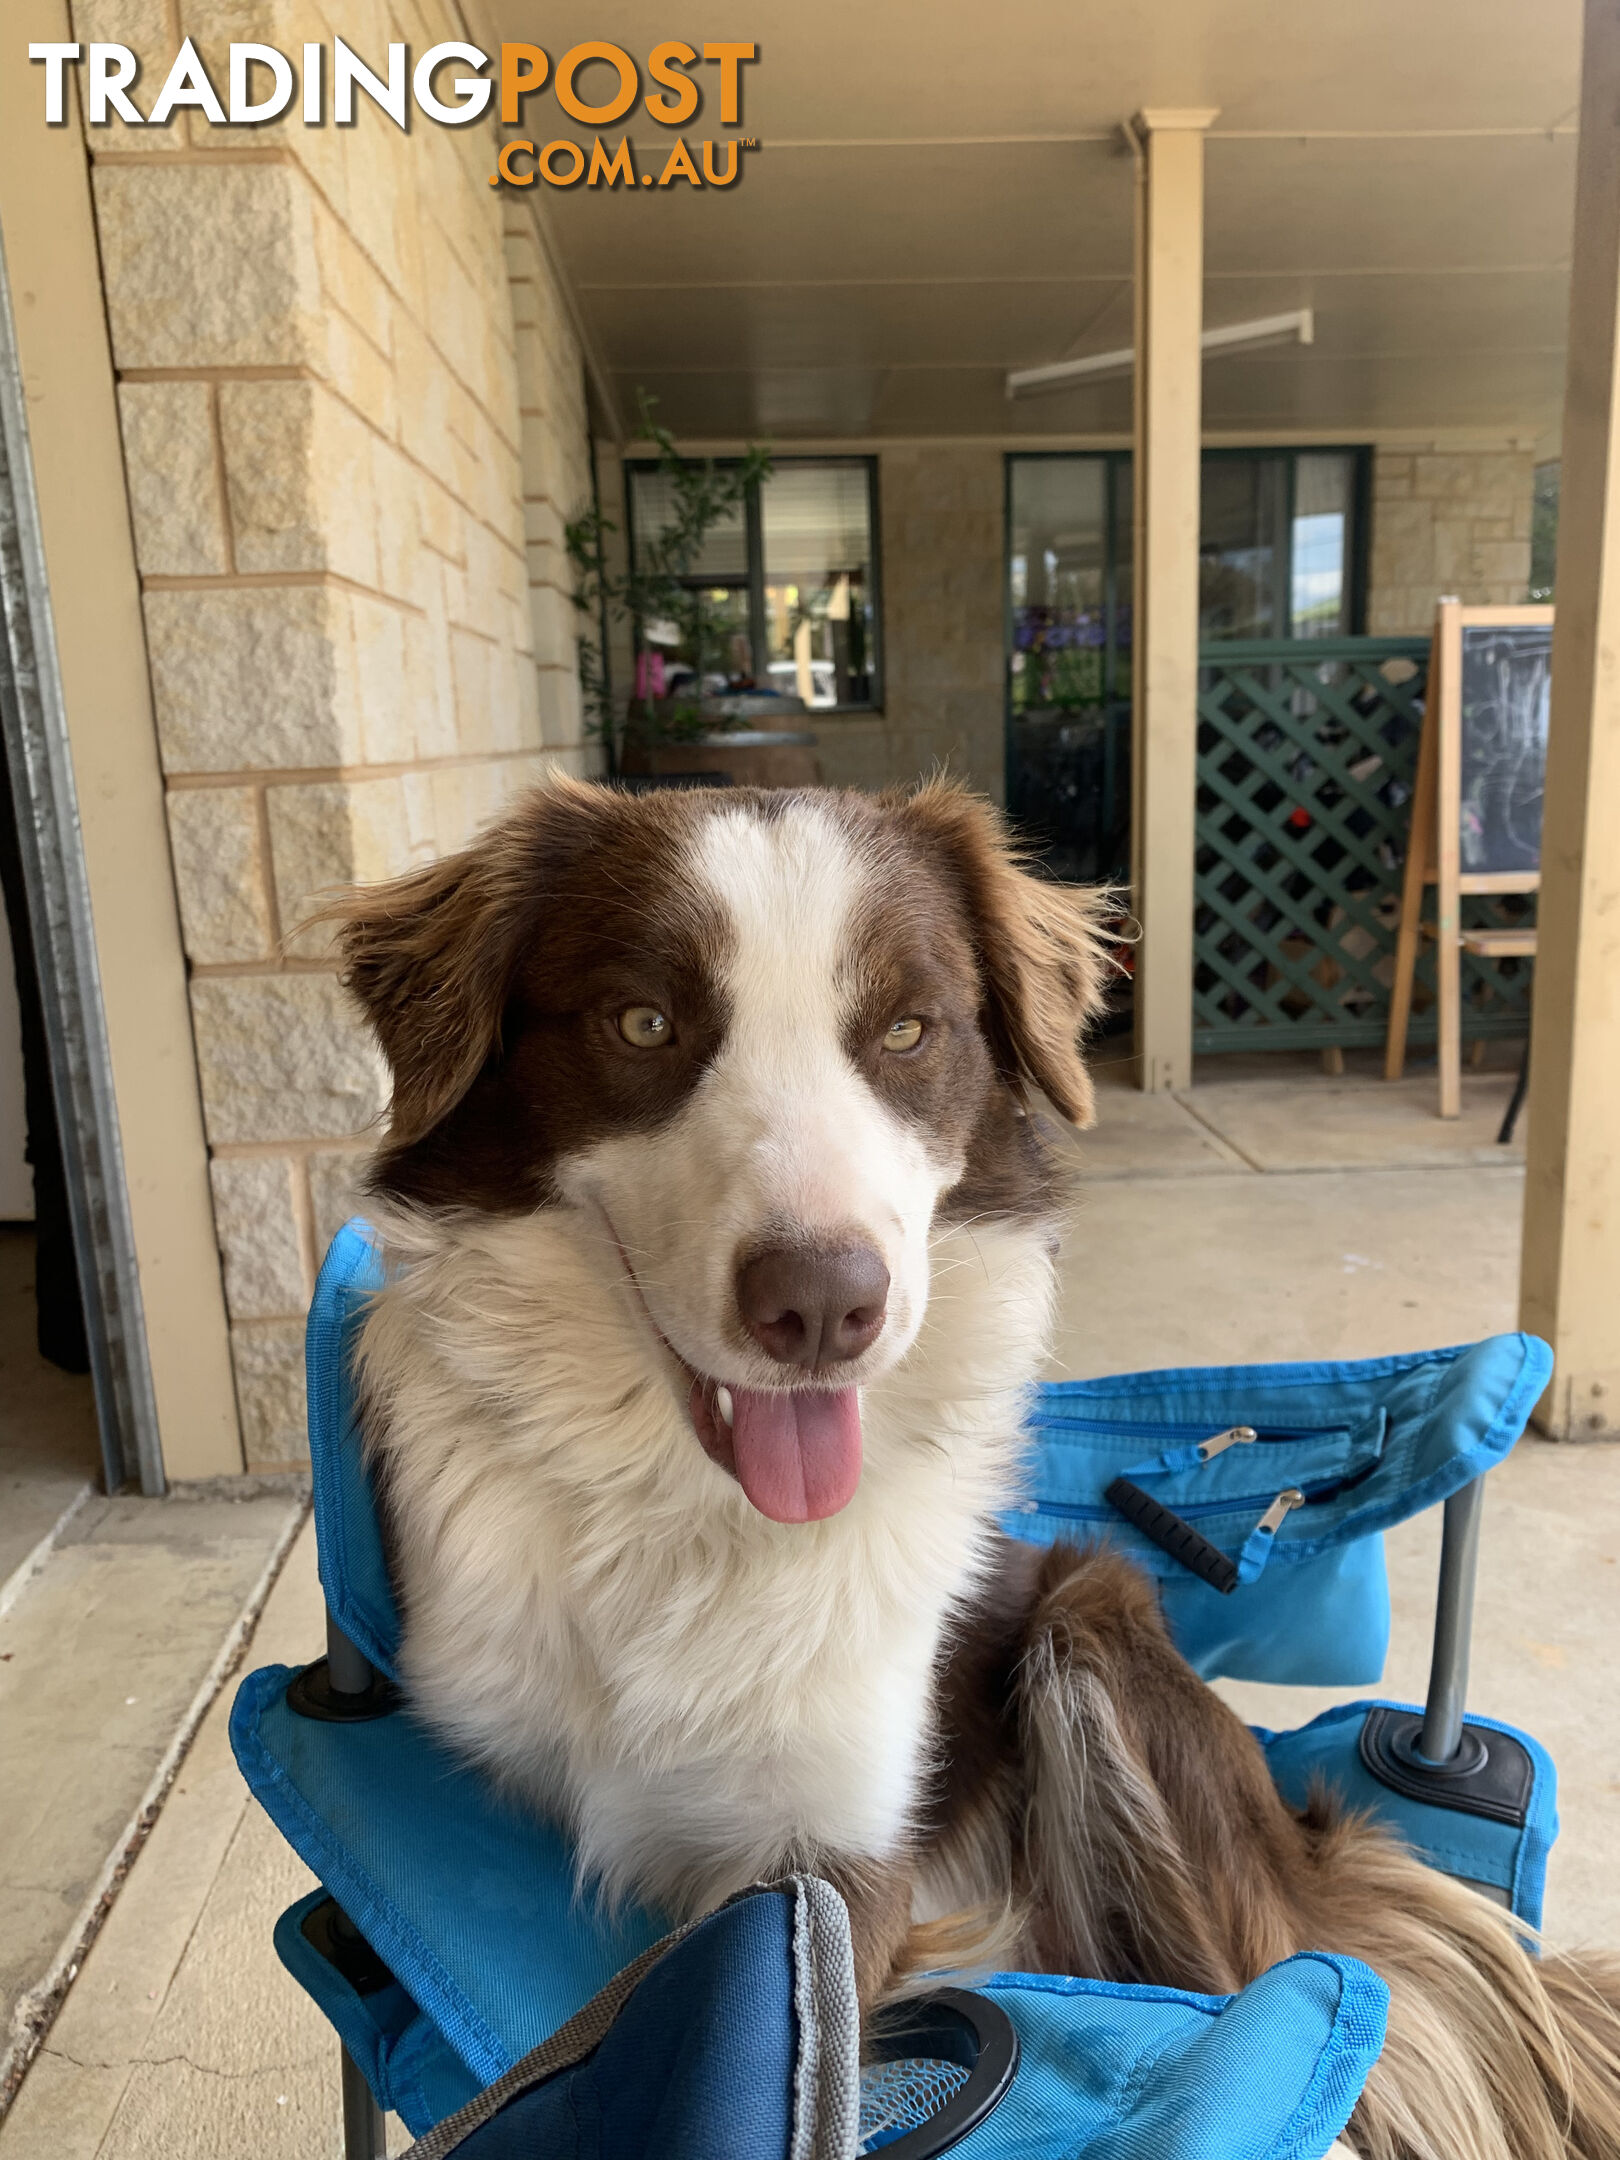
{"x": 933, "y": 2070}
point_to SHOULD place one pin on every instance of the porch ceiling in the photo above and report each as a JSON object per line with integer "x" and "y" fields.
{"x": 934, "y": 201}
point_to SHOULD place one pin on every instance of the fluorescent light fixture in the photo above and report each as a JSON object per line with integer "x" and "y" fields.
{"x": 1297, "y": 327}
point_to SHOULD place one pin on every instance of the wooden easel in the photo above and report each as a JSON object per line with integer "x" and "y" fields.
{"x": 1434, "y": 855}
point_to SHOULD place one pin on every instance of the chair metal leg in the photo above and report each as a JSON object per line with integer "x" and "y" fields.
{"x": 1517, "y": 1103}
{"x": 365, "y": 2131}
{"x": 365, "y": 2127}
{"x": 351, "y": 1671}
{"x": 1453, "y": 1624}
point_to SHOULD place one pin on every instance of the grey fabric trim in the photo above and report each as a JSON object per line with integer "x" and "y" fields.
{"x": 823, "y": 1995}
{"x": 827, "y": 2072}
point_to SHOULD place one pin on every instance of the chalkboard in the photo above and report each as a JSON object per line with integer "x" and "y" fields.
{"x": 1506, "y": 680}
{"x": 1476, "y": 810}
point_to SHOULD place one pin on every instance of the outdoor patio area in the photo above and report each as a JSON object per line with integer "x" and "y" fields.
{"x": 1272, "y": 1211}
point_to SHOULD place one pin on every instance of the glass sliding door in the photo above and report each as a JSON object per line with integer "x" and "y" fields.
{"x": 1069, "y": 665}
{"x": 1281, "y": 555}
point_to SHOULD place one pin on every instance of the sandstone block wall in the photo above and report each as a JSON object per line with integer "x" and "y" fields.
{"x": 353, "y": 424}
{"x": 1447, "y": 521}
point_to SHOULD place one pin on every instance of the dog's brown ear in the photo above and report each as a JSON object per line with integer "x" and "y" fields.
{"x": 1039, "y": 944}
{"x": 430, "y": 957}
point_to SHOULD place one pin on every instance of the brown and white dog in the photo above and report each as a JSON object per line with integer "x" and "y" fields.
{"x": 721, "y": 1255}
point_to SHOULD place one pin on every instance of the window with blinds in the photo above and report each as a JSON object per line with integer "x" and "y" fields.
{"x": 790, "y": 583}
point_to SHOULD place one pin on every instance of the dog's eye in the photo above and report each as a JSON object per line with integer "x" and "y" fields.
{"x": 904, "y": 1034}
{"x": 644, "y": 1027}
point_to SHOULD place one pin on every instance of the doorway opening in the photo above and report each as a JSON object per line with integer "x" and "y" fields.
{"x": 82, "y": 1237}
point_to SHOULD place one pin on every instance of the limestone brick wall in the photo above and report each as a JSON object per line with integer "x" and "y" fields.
{"x": 943, "y": 519}
{"x": 1447, "y": 521}
{"x": 353, "y": 423}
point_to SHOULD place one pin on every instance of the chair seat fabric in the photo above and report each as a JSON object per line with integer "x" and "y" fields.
{"x": 714, "y": 2057}
{"x": 471, "y": 1901}
{"x": 468, "y": 1899}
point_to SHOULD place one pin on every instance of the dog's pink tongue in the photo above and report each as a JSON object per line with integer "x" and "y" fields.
{"x": 798, "y": 1455}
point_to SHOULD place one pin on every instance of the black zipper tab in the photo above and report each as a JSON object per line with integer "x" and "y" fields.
{"x": 1177, "y": 1538}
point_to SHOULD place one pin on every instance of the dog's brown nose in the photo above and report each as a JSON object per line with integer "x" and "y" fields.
{"x": 810, "y": 1305}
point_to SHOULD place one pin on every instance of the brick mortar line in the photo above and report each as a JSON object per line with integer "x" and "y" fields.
{"x": 268, "y": 371}
{"x": 226, "y": 154}
{"x": 303, "y": 1213}
{"x": 217, "y": 434}
{"x": 291, "y": 581}
{"x": 393, "y": 769}
{"x": 397, "y": 444}
{"x": 292, "y": 1150}
{"x": 456, "y": 562}
{"x": 272, "y": 967}
{"x": 267, "y": 866}
{"x": 356, "y": 325}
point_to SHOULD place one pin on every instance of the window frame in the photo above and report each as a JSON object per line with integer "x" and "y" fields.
{"x": 753, "y": 580}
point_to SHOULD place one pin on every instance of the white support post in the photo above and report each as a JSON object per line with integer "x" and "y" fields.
{"x": 1168, "y": 420}
{"x": 1570, "y": 1281}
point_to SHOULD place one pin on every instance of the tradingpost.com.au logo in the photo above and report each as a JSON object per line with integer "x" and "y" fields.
{"x": 596, "y": 84}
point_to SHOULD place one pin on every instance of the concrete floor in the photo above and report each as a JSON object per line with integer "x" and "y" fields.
{"x": 1267, "y": 1214}
{"x": 107, "y": 1659}
{"x": 182, "y": 2037}
{"x": 116, "y": 1616}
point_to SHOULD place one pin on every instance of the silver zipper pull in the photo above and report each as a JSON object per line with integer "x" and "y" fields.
{"x": 1284, "y": 1504}
{"x": 1218, "y": 1443}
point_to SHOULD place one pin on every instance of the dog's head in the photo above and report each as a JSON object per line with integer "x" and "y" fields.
{"x": 763, "y": 1043}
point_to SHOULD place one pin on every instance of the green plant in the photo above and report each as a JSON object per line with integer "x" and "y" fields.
{"x": 657, "y": 588}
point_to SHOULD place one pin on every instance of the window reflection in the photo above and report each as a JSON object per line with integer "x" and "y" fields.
{"x": 1274, "y": 544}
{"x": 1241, "y": 559}
{"x": 1278, "y": 545}
{"x": 724, "y": 555}
{"x": 817, "y": 530}
{"x": 1059, "y": 566}
{"x": 787, "y": 587}
{"x": 1319, "y": 599}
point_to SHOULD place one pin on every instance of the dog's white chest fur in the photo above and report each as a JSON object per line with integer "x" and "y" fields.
{"x": 592, "y": 1607}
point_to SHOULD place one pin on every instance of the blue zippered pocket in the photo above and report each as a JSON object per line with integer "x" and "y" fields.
{"x": 1188, "y": 1510}
{"x": 1075, "y": 1460}
{"x": 1188, "y": 1430}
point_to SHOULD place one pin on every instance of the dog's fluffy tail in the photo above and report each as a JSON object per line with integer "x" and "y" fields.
{"x": 1491, "y": 2053}
{"x": 1157, "y": 1849}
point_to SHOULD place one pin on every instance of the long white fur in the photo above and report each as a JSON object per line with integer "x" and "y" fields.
{"x": 593, "y": 1607}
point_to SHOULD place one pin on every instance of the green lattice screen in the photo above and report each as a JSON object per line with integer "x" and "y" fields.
{"x": 1306, "y": 755}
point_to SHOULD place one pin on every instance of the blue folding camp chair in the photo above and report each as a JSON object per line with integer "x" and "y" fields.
{"x": 478, "y": 1994}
